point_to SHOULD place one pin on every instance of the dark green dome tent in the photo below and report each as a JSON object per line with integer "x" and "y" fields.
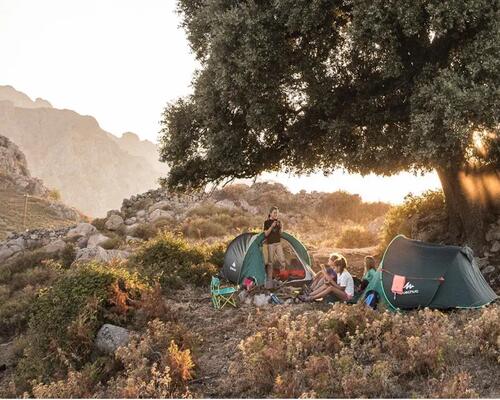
{"x": 244, "y": 258}
{"x": 435, "y": 276}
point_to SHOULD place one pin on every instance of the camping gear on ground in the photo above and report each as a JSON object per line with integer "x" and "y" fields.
{"x": 244, "y": 258}
{"x": 221, "y": 295}
{"x": 435, "y": 276}
{"x": 371, "y": 299}
{"x": 275, "y": 299}
{"x": 249, "y": 283}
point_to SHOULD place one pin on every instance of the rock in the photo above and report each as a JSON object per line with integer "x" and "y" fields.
{"x": 161, "y": 205}
{"x": 113, "y": 212}
{"x": 130, "y": 221}
{"x": 225, "y": 204}
{"x": 131, "y": 228}
{"x": 54, "y": 247}
{"x": 495, "y": 247}
{"x": 157, "y": 214}
{"x": 5, "y": 252}
{"x": 132, "y": 239}
{"x": 82, "y": 229}
{"x": 82, "y": 242}
{"x": 10, "y": 235}
{"x": 261, "y": 300}
{"x": 19, "y": 242}
{"x": 96, "y": 239}
{"x": 140, "y": 213}
{"x": 91, "y": 253}
{"x": 34, "y": 236}
{"x": 247, "y": 207}
{"x": 488, "y": 270}
{"x": 114, "y": 222}
{"x": 110, "y": 337}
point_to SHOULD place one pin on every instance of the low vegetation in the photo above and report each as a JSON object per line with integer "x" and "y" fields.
{"x": 353, "y": 351}
{"x": 174, "y": 261}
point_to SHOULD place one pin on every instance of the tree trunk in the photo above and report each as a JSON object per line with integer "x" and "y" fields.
{"x": 466, "y": 216}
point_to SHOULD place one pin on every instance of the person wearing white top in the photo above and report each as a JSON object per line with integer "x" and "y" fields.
{"x": 343, "y": 288}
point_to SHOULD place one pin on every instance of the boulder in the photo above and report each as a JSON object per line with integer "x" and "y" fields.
{"x": 161, "y": 205}
{"x": 110, "y": 337}
{"x": 114, "y": 222}
{"x": 96, "y": 253}
{"x": 140, "y": 213}
{"x": 18, "y": 242}
{"x": 226, "y": 204}
{"x": 82, "y": 242}
{"x": 495, "y": 247}
{"x": 132, "y": 239}
{"x": 113, "y": 212}
{"x": 82, "y": 229}
{"x": 96, "y": 239}
{"x": 5, "y": 253}
{"x": 158, "y": 214}
{"x": 54, "y": 247}
{"x": 130, "y": 221}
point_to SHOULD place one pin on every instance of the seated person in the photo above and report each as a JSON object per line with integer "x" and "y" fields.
{"x": 342, "y": 288}
{"x": 369, "y": 272}
{"x": 319, "y": 279}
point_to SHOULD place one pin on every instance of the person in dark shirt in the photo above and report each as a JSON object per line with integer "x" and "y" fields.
{"x": 273, "y": 251}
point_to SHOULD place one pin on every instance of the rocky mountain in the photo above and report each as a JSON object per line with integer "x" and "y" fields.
{"x": 93, "y": 169}
{"x": 43, "y": 209}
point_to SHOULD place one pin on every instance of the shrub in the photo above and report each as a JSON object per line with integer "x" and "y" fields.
{"x": 65, "y": 318}
{"x": 396, "y": 221}
{"x": 67, "y": 255}
{"x": 366, "y": 354}
{"x": 99, "y": 223}
{"x": 157, "y": 364}
{"x": 144, "y": 231}
{"x": 201, "y": 228}
{"x": 356, "y": 236}
{"x": 112, "y": 243}
{"x": 54, "y": 195}
{"x": 173, "y": 261}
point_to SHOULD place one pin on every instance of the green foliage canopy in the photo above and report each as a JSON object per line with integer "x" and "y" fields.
{"x": 368, "y": 85}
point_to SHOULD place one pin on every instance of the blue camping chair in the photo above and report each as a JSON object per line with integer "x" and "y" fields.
{"x": 222, "y": 296}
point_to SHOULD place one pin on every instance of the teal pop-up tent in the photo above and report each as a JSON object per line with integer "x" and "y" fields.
{"x": 434, "y": 276}
{"x": 244, "y": 258}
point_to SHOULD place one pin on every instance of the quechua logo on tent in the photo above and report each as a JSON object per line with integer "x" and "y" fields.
{"x": 409, "y": 288}
{"x": 233, "y": 266}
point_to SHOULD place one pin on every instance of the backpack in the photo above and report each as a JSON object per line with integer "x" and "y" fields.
{"x": 371, "y": 299}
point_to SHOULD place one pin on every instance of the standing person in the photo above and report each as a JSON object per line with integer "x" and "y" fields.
{"x": 272, "y": 244}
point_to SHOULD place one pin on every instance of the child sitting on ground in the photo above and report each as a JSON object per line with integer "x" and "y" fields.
{"x": 369, "y": 273}
{"x": 319, "y": 278}
{"x": 342, "y": 287}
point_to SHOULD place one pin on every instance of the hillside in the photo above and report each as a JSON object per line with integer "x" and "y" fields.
{"x": 43, "y": 208}
{"x": 145, "y": 269}
{"x": 93, "y": 169}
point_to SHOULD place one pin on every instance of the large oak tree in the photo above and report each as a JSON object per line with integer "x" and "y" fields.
{"x": 377, "y": 86}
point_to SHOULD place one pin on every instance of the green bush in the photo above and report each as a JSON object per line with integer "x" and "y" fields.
{"x": 173, "y": 261}
{"x": 202, "y": 228}
{"x": 67, "y": 255}
{"x": 356, "y": 236}
{"x": 396, "y": 220}
{"x": 99, "y": 223}
{"x": 65, "y": 318}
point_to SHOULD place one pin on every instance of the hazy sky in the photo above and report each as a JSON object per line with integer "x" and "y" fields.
{"x": 121, "y": 61}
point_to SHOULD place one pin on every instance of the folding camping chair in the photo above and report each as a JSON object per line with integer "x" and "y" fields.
{"x": 221, "y": 296}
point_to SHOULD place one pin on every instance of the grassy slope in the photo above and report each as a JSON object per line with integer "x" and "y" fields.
{"x": 39, "y": 214}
